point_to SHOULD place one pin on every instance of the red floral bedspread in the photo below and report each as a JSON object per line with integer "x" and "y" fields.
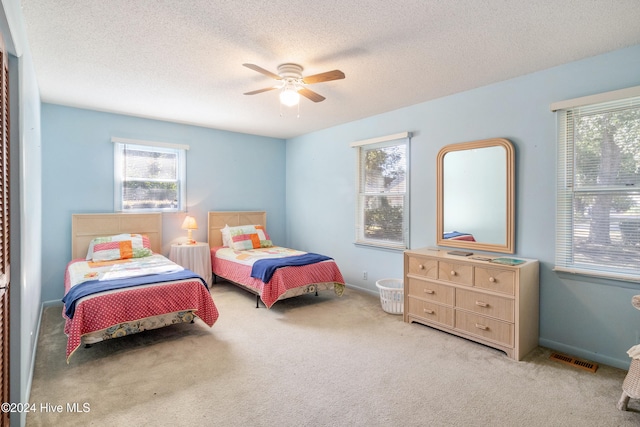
{"x": 100, "y": 311}
{"x": 283, "y": 279}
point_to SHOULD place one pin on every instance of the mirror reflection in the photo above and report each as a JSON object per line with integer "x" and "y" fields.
{"x": 475, "y": 195}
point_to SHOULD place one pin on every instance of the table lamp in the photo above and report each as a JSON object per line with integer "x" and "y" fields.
{"x": 190, "y": 224}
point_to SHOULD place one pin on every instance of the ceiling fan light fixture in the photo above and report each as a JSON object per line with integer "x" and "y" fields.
{"x": 289, "y": 95}
{"x": 292, "y": 85}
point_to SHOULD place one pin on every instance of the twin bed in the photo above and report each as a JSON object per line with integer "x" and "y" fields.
{"x": 110, "y": 290}
{"x": 236, "y": 264}
{"x": 95, "y": 312}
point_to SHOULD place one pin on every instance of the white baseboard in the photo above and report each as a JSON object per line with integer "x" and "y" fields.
{"x": 51, "y": 303}
{"x": 360, "y": 289}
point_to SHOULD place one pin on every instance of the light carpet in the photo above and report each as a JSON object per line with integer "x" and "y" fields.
{"x": 312, "y": 361}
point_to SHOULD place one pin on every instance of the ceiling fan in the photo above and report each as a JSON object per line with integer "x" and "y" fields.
{"x": 293, "y": 84}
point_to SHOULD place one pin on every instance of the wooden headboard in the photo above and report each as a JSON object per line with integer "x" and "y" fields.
{"x": 86, "y": 227}
{"x": 217, "y": 220}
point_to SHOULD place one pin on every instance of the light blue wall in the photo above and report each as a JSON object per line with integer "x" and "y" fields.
{"x": 588, "y": 318}
{"x": 225, "y": 171}
{"x": 307, "y": 187}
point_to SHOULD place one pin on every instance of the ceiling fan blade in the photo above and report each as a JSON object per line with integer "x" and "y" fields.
{"x": 263, "y": 71}
{"x": 315, "y": 97}
{"x": 266, "y": 89}
{"x": 324, "y": 77}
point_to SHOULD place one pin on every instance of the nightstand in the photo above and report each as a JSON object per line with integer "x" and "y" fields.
{"x": 196, "y": 257}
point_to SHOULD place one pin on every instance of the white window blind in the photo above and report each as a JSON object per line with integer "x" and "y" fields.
{"x": 598, "y": 189}
{"x": 382, "y": 208}
{"x": 149, "y": 177}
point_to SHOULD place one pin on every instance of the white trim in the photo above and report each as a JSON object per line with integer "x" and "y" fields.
{"x": 381, "y": 139}
{"x": 403, "y": 139}
{"x": 569, "y": 186}
{"x": 120, "y": 145}
{"x": 598, "y": 98}
{"x": 15, "y": 37}
{"x": 32, "y": 362}
{"x": 381, "y": 245}
{"x": 117, "y": 140}
{"x": 602, "y": 274}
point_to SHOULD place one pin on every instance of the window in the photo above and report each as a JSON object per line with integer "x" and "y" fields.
{"x": 382, "y": 217}
{"x": 598, "y": 206}
{"x": 149, "y": 176}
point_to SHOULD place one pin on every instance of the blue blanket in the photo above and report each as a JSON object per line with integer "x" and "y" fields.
{"x": 453, "y": 234}
{"x": 263, "y": 269}
{"x": 94, "y": 286}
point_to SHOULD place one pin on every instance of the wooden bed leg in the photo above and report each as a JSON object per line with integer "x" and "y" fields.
{"x": 87, "y": 345}
{"x": 257, "y": 301}
{"x": 215, "y": 278}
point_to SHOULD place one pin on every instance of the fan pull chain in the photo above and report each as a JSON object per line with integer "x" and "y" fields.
{"x": 297, "y": 114}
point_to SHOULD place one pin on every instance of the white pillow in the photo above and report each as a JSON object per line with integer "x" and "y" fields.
{"x": 226, "y": 236}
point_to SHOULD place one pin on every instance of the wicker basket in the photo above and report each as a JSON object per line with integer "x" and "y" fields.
{"x": 391, "y": 295}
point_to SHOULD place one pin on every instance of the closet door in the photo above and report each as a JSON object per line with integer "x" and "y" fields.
{"x": 4, "y": 233}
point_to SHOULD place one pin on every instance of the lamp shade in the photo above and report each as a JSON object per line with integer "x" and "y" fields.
{"x": 289, "y": 95}
{"x": 189, "y": 223}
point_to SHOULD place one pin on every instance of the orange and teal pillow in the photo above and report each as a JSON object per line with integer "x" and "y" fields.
{"x": 245, "y": 237}
{"x": 121, "y": 246}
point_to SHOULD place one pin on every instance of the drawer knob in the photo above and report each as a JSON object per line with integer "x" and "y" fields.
{"x": 492, "y": 279}
{"x": 483, "y": 327}
{"x": 453, "y": 273}
{"x": 426, "y": 310}
{"x": 482, "y": 304}
{"x": 428, "y": 291}
{"x": 421, "y": 267}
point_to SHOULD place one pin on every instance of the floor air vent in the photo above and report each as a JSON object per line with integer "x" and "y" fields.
{"x": 572, "y": 361}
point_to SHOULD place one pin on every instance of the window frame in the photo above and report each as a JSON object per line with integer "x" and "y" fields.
{"x": 400, "y": 139}
{"x": 120, "y": 144}
{"x": 569, "y": 192}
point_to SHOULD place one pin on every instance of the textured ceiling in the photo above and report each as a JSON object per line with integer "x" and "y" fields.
{"x": 182, "y": 60}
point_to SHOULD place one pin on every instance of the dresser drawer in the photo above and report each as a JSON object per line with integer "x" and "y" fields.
{"x": 431, "y": 291}
{"x": 431, "y": 312}
{"x": 488, "y": 305}
{"x": 457, "y": 273}
{"x": 485, "y": 327}
{"x": 495, "y": 280}
{"x": 423, "y": 267}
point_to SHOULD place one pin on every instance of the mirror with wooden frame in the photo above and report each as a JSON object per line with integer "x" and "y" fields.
{"x": 475, "y": 206}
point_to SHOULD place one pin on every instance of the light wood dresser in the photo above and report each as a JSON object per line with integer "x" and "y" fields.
{"x": 493, "y": 304}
